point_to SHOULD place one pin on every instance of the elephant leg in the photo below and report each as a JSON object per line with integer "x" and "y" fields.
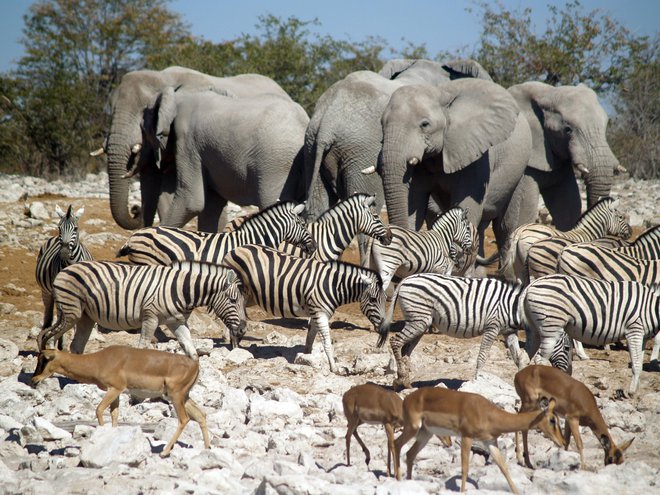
{"x": 213, "y": 217}
{"x": 563, "y": 200}
{"x": 150, "y": 190}
{"x": 189, "y": 198}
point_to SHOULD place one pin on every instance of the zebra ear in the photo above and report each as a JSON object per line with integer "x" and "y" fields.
{"x": 366, "y": 280}
{"x": 80, "y": 212}
{"x": 298, "y": 209}
{"x": 615, "y": 204}
{"x": 59, "y": 211}
{"x": 370, "y": 200}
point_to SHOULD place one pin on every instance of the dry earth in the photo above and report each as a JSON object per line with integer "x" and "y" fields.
{"x": 275, "y": 344}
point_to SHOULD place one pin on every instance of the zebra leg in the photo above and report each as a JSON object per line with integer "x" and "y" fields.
{"x": 635, "y": 337}
{"x": 320, "y": 321}
{"x": 149, "y": 326}
{"x": 311, "y": 337}
{"x": 656, "y": 349}
{"x": 84, "y": 329}
{"x": 62, "y": 325}
{"x": 49, "y": 304}
{"x": 407, "y": 339}
{"x": 491, "y": 333}
{"x": 182, "y": 333}
{"x": 579, "y": 350}
{"x": 515, "y": 351}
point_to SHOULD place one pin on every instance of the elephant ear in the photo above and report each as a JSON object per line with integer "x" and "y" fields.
{"x": 166, "y": 113}
{"x": 480, "y": 115}
{"x": 466, "y": 67}
{"x": 535, "y": 100}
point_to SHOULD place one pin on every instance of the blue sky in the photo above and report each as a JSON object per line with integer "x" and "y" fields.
{"x": 440, "y": 24}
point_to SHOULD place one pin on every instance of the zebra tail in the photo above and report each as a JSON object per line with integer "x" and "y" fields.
{"x": 509, "y": 250}
{"x": 384, "y": 328}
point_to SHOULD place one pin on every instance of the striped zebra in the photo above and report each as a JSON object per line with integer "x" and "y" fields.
{"x": 281, "y": 222}
{"x": 289, "y": 286}
{"x": 604, "y": 219}
{"x": 57, "y": 253}
{"x": 601, "y": 219}
{"x": 592, "y": 311}
{"x": 425, "y": 251}
{"x": 455, "y": 306}
{"x": 120, "y": 296}
{"x": 334, "y": 230}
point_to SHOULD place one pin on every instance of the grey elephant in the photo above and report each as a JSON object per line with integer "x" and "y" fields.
{"x": 344, "y": 133}
{"x": 133, "y": 103}
{"x": 244, "y": 150}
{"x": 463, "y": 143}
{"x": 568, "y": 127}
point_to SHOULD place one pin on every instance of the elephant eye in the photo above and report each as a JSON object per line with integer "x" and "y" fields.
{"x": 424, "y": 124}
{"x": 568, "y": 130}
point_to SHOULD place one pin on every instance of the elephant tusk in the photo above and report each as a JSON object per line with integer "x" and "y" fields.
{"x": 369, "y": 170}
{"x": 584, "y": 170}
{"x": 97, "y": 152}
{"x": 620, "y": 169}
{"x": 413, "y": 161}
{"x": 136, "y": 148}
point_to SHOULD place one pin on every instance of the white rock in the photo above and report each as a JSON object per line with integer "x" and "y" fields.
{"x": 561, "y": 460}
{"x": 48, "y": 430}
{"x": 214, "y": 459}
{"x": 239, "y": 356}
{"x": 38, "y": 211}
{"x": 121, "y": 445}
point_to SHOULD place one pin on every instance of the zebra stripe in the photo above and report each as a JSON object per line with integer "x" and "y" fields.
{"x": 120, "y": 296}
{"x": 281, "y": 222}
{"x": 592, "y": 311}
{"x": 334, "y": 230}
{"x": 289, "y": 286}
{"x": 425, "y": 251}
{"x": 598, "y": 221}
{"x": 57, "y": 253}
{"x": 455, "y": 306}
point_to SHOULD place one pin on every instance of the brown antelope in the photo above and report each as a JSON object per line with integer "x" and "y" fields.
{"x": 372, "y": 404}
{"x": 439, "y": 411}
{"x": 575, "y": 402}
{"x": 144, "y": 372}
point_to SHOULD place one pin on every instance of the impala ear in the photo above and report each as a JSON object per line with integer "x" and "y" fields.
{"x": 626, "y": 444}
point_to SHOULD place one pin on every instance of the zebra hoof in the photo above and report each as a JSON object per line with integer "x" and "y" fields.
{"x": 401, "y": 384}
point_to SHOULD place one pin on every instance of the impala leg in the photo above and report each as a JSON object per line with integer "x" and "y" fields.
{"x": 182, "y": 415}
{"x": 196, "y": 414}
{"x": 389, "y": 431}
{"x": 109, "y": 399}
{"x": 423, "y": 437}
{"x": 466, "y": 446}
{"x": 573, "y": 426}
{"x": 501, "y": 463}
{"x": 407, "y": 433}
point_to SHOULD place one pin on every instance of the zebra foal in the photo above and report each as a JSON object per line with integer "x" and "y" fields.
{"x": 455, "y": 306}
{"x": 432, "y": 250}
{"x": 288, "y": 286}
{"x": 57, "y": 253}
{"x": 281, "y": 222}
{"x": 591, "y": 311}
{"x": 119, "y": 296}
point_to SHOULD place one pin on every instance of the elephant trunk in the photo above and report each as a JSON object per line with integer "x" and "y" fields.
{"x": 396, "y": 172}
{"x": 119, "y": 154}
{"x": 598, "y": 180}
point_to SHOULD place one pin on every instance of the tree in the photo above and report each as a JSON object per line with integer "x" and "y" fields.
{"x": 76, "y": 52}
{"x": 576, "y": 46}
{"x": 635, "y": 133}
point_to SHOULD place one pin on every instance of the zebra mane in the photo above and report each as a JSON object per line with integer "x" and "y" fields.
{"x": 606, "y": 199}
{"x": 651, "y": 233}
{"x": 201, "y": 267}
{"x": 338, "y": 205}
{"x": 445, "y": 214}
{"x": 259, "y": 214}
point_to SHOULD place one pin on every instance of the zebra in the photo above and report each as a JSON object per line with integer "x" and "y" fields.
{"x": 426, "y": 251}
{"x": 456, "y": 306}
{"x": 271, "y": 226}
{"x": 601, "y": 219}
{"x": 592, "y": 311}
{"x": 334, "y": 230}
{"x": 289, "y": 286}
{"x": 57, "y": 253}
{"x": 121, "y": 296}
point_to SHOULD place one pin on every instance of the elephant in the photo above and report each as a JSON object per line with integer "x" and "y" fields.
{"x": 344, "y": 133}
{"x": 133, "y": 104}
{"x": 568, "y": 127}
{"x": 463, "y": 143}
{"x": 244, "y": 150}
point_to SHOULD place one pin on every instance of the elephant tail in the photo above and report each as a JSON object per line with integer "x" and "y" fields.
{"x": 384, "y": 329}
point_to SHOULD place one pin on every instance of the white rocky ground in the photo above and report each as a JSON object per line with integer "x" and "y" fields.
{"x": 275, "y": 415}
